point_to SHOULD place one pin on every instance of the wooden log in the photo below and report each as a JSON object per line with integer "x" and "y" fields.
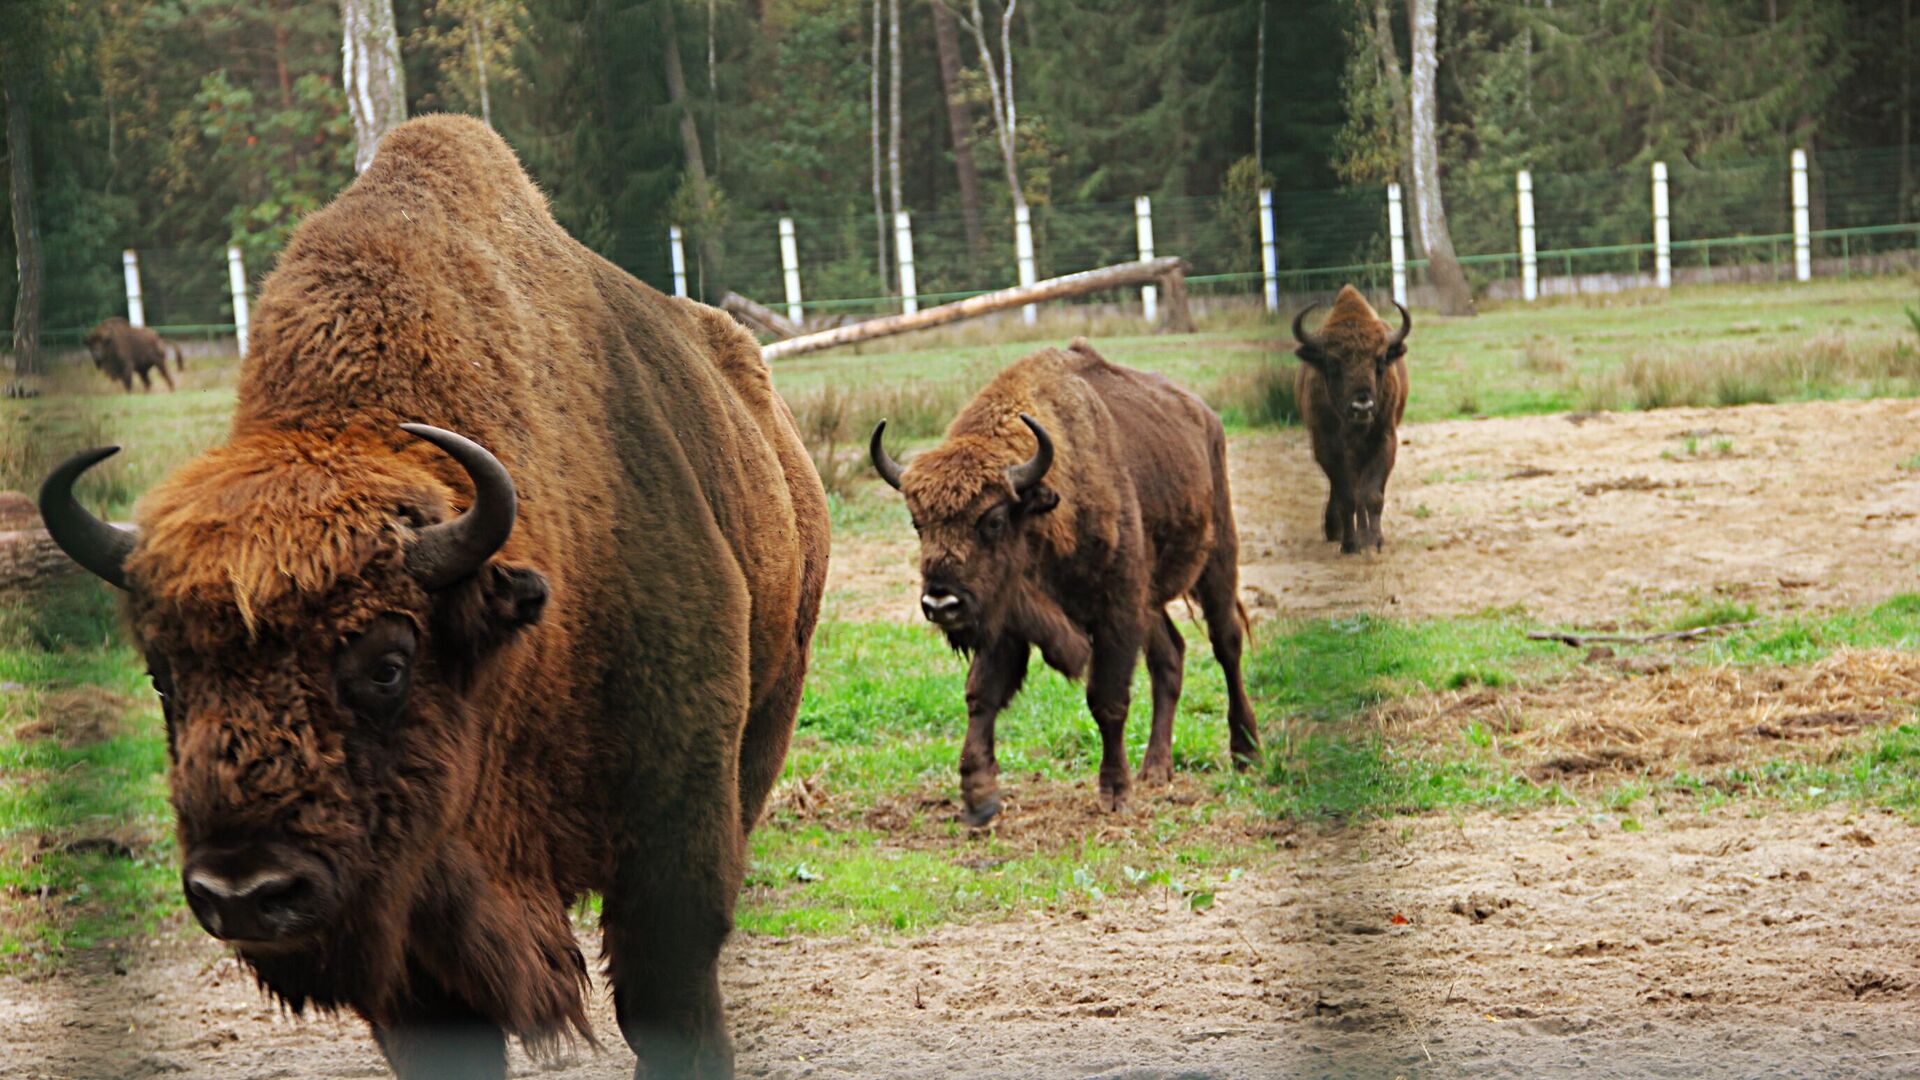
{"x": 1120, "y": 276}
{"x": 1179, "y": 317}
{"x": 758, "y": 316}
{"x": 29, "y": 555}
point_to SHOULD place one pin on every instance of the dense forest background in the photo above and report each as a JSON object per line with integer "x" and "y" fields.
{"x": 179, "y": 126}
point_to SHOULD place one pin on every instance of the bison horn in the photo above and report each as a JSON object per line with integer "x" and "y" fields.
{"x": 1029, "y": 473}
{"x": 100, "y": 548}
{"x": 883, "y": 463}
{"x": 1300, "y": 334}
{"x": 1406, "y": 325}
{"x": 443, "y": 554}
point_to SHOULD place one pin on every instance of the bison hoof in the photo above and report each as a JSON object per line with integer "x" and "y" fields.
{"x": 1155, "y": 773}
{"x": 977, "y": 817}
{"x": 1113, "y": 802}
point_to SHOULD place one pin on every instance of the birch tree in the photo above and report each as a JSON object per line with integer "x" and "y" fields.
{"x": 879, "y": 206}
{"x": 893, "y": 108}
{"x": 1006, "y": 118}
{"x": 1443, "y": 266}
{"x": 698, "y": 191}
{"x": 946, "y": 39}
{"x": 372, "y": 74}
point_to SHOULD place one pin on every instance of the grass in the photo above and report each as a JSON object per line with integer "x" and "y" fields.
{"x": 873, "y": 844}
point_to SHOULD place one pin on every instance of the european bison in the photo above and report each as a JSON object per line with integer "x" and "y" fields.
{"x": 425, "y": 690}
{"x": 122, "y": 350}
{"x": 1352, "y": 390}
{"x": 1072, "y": 500}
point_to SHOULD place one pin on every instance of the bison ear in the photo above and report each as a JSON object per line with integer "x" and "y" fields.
{"x": 475, "y": 616}
{"x": 1036, "y": 500}
{"x": 1396, "y": 351}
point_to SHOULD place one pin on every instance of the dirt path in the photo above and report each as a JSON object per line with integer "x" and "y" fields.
{"x": 1713, "y": 944}
{"x": 1574, "y": 518}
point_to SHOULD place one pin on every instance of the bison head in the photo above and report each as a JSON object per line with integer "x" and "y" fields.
{"x": 312, "y": 613}
{"x": 1352, "y": 351}
{"x": 972, "y": 500}
{"x": 98, "y": 346}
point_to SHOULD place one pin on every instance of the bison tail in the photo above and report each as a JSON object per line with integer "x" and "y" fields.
{"x": 1246, "y": 623}
{"x": 179, "y": 358}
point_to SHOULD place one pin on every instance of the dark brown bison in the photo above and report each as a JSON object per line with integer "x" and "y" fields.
{"x": 1352, "y": 390}
{"x": 1070, "y": 503}
{"x": 122, "y": 350}
{"x": 423, "y": 693}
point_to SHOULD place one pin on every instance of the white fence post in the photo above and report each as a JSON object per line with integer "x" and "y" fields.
{"x": 1802, "y": 232}
{"x": 679, "y": 260}
{"x": 903, "y": 254}
{"x": 1143, "y": 220}
{"x": 237, "y": 281}
{"x": 1397, "y": 243}
{"x": 1529, "y": 259}
{"x": 790, "y": 262}
{"x": 136, "y": 310}
{"x": 1662, "y": 229}
{"x": 1269, "y": 266}
{"x": 1023, "y": 250}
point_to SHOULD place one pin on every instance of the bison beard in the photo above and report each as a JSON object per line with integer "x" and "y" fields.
{"x": 1352, "y": 390}
{"x": 423, "y": 692}
{"x": 1071, "y": 501}
{"x": 122, "y": 350}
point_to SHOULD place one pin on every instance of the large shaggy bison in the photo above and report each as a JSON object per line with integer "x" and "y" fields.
{"x": 1352, "y": 390}
{"x": 1072, "y": 500}
{"x": 427, "y": 686}
{"x": 122, "y": 350}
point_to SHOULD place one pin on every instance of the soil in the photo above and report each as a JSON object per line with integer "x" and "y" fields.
{"x": 1742, "y": 942}
{"x": 1558, "y": 943}
{"x": 1578, "y": 518}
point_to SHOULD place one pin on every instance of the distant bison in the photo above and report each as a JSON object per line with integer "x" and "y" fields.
{"x": 122, "y": 350}
{"x": 1070, "y": 503}
{"x": 1352, "y": 390}
{"x": 425, "y": 691}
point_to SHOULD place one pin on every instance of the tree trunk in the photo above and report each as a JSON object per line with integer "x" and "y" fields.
{"x": 372, "y": 75}
{"x": 1005, "y": 120}
{"x": 711, "y": 279}
{"x": 1443, "y": 267}
{"x": 1259, "y": 87}
{"x": 1906, "y": 106}
{"x": 879, "y": 204}
{"x": 26, "y": 231}
{"x": 893, "y": 117}
{"x": 1402, "y": 121}
{"x": 960, "y": 128}
{"x": 713, "y": 90}
{"x": 476, "y": 28}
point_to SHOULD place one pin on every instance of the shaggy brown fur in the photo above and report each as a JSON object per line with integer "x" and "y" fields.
{"x": 1352, "y": 390}
{"x": 1134, "y": 513}
{"x": 122, "y": 350}
{"x": 602, "y": 707}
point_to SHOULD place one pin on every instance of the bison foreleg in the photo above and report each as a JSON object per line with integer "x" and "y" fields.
{"x": 992, "y": 680}
{"x": 1116, "y": 650}
{"x": 436, "y": 1035}
{"x": 1166, "y": 667}
{"x": 161, "y": 367}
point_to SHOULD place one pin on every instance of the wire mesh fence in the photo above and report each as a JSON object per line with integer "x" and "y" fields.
{"x": 1734, "y": 218}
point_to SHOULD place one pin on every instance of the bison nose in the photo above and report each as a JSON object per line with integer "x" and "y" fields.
{"x": 941, "y": 606}
{"x": 1361, "y": 406}
{"x": 261, "y": 902}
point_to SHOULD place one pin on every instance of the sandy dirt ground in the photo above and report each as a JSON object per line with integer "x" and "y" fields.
{"x": 1576, "y": 518}
{"x": 1736, "y": 943}
{"x": 1555, "y": 944}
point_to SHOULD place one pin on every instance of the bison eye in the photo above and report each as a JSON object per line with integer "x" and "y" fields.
{"x": 389, "y": 673}
{"x": 374, "y": 671}
{"x": 993, "y": 524}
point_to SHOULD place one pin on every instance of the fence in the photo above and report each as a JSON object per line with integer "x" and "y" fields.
{"x": 1520, "y": 235}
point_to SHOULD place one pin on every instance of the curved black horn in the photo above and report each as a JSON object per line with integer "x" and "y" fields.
{"x": 1028, "y": 473}
{"x": 1406, "y": 325}
{"x": 883, "y": 463}
{"x": 443, "y": 554}
{"x": 1300, "y": 334}
{"x": 97, "y": 546}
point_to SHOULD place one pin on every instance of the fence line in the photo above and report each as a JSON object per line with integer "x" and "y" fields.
{"x": 1798, "y": 215}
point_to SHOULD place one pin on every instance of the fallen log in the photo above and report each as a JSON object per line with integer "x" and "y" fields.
{"x": 1169, "y": 270}
{"x": 758, "y": 316}
{"x": 1577, "y": 640}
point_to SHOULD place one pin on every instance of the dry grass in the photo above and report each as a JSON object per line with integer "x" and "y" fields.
{"x": 1824, "y": 365}
{"x": 1600, "y": 727}
{"x": 836, "y": 419}
{"x": 1544, "y": 355}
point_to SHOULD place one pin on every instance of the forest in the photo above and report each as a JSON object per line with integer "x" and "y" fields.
{"x": 177, "y": 127}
